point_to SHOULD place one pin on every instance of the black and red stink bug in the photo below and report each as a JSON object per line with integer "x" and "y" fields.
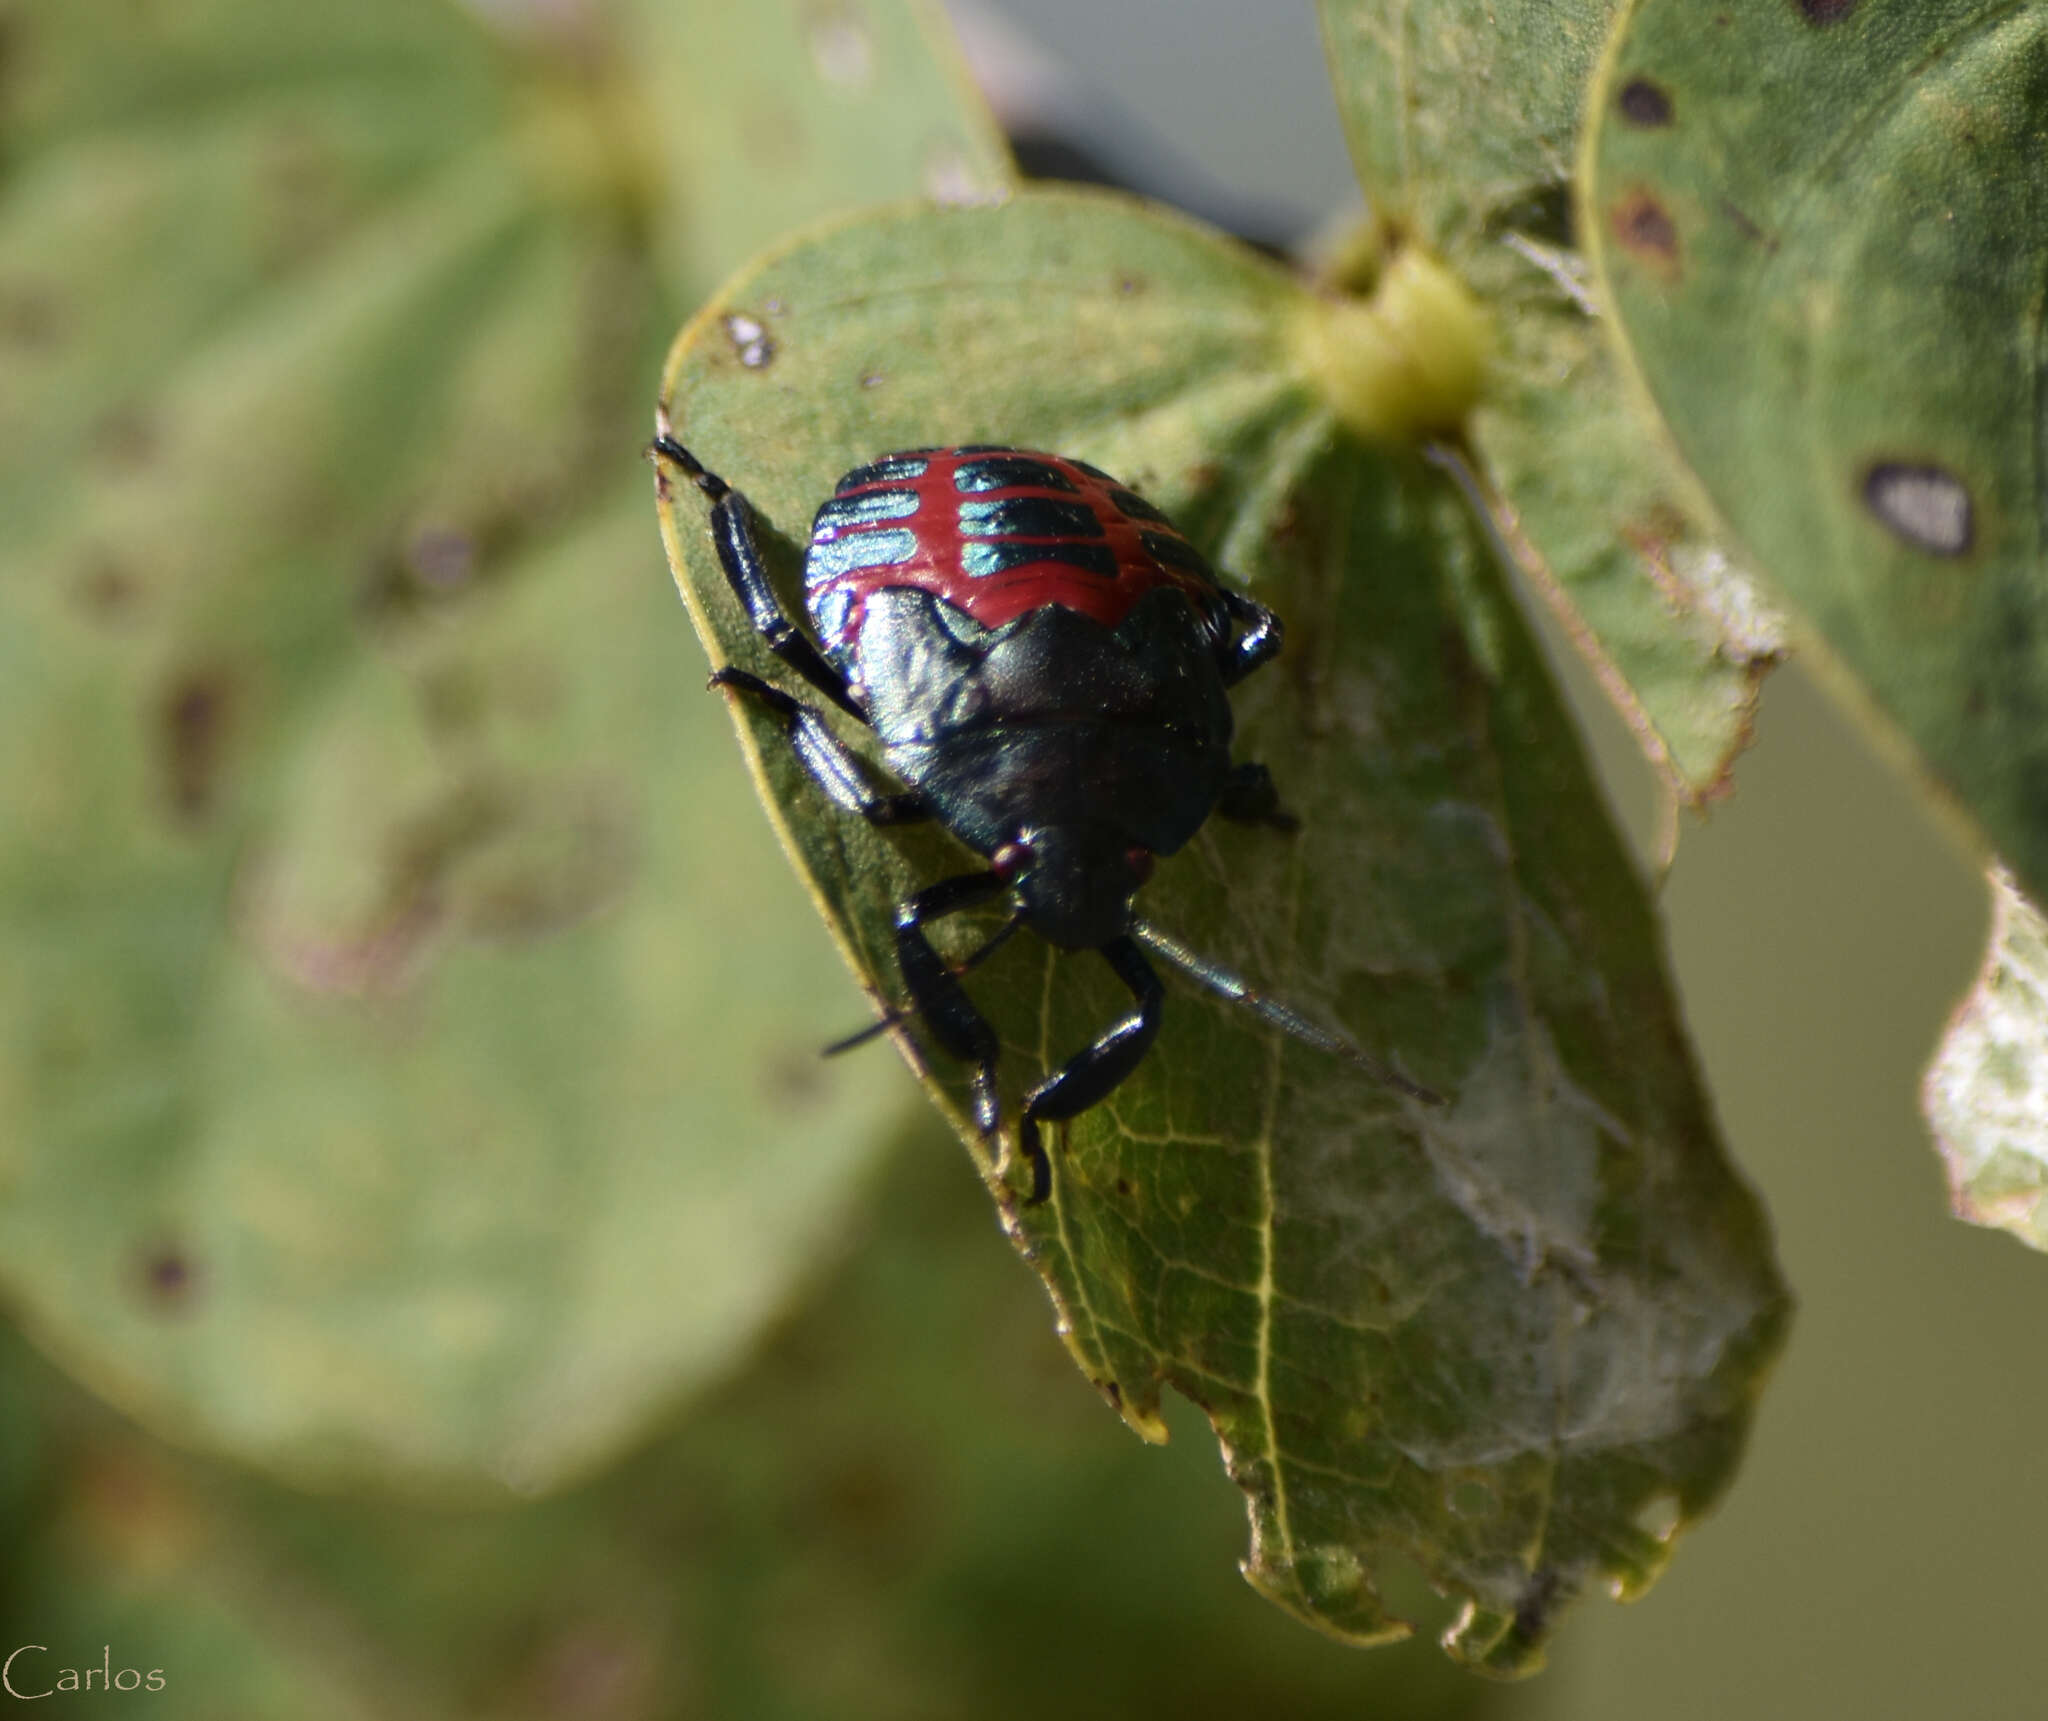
{"x": 1047, "y": 662}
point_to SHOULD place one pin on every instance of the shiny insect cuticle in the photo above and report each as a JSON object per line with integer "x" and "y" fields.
{"x": 1047, "y": 662}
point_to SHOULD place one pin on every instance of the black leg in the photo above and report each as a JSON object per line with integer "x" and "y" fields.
{"x": 936, "y": 991}
{"x": 1258, "y": 640}
{"x": 1093, "y": 1073}
{"x": 1249, "y": 798}
{"x": 732, "y": 530}
{"x": 832, "y": 765}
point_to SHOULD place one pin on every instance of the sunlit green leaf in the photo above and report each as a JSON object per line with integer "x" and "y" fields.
{"x": 1488, "y": 1338}
{"x": 1820, "y": 225}
{"x": 407, "y": 1039}
{"x": 1462, "y": 119}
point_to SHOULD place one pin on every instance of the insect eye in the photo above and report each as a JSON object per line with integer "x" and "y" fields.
{"x": 1010, "y": 860}
{"x": 1140, "y": 863}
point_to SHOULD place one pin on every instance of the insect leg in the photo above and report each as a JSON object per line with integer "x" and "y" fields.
{"x": 1094, "y": 1072}
{"x": 1258, "y": 641}
{"x": 1249, "y": 798}
{"x": 832, "y": 765}
{"x": 935, "y": 989}
{"x": 732, "y": 531}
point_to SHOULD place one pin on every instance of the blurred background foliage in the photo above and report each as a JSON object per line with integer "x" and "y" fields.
{"x": 890, "y": 1494}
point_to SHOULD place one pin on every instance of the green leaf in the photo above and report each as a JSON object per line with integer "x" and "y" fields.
{"x": 1486, "y": 1338}
{"x": 1819, "y": 224}
{"x": 1462, "y": 119}
{"x": 775, "y": 112}
{"x": 385, "y": 1094}
{"x": 1984, "y": 1092}
{"x": 903, "y": 1504}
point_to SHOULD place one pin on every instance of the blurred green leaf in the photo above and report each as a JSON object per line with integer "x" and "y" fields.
{"x": 770, "y": 115}
{"x": 904, "y": 1506}
{"x": 407, "y": 1040}
{"x": 1489, "y": 1340}
{"x": 1820, "y": 226}
{"x": 1462, "y": 119}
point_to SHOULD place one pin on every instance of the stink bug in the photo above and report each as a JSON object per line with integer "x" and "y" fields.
{"x": 1047, "y": 662}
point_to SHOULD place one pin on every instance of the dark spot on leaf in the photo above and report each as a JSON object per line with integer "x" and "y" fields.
{"x": 169, "y": 1279}
{"x": 1921, "y": 504}
{"x": 441, "y": 558}
{"x": 192, "y": 728}
{"x": 1644, "y": 103}
{"x": 749, "y": 340}
{"x": 1123, "y": 1186}
{"x": 1131, "y": 284}
{"x": 1643, "y": 226}
{"x": 1822, "y": 12}
{"x": 107, "y": 590}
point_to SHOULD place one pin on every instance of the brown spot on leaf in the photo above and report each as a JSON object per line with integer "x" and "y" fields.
{"x": 1644, "y": 103}
{"x": 192, "y": 726}
{"x": 168, "y": 1278}
{"x": 107, "y": 590}
{"x": 1824, "y": 12}
{"x": 1644, "y": 227}
{"x": 441, "y": 558}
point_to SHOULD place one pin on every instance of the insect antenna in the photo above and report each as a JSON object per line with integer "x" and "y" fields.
{"x": 896, "y": 1018}
{"x": 1288, "y": 1020}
